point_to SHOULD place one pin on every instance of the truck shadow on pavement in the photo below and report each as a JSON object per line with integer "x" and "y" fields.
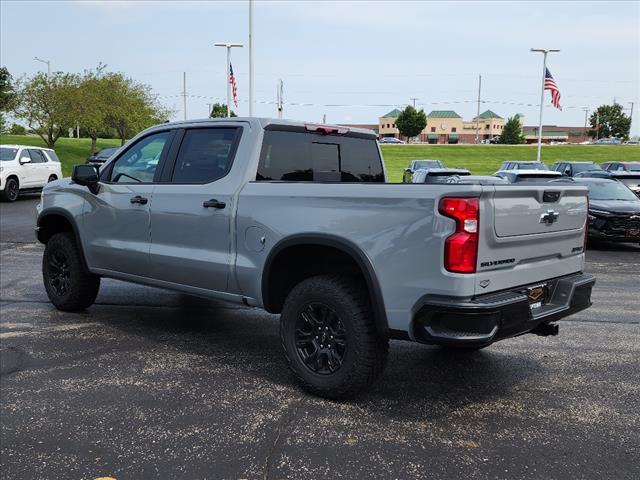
{"x": 420, "y": 381}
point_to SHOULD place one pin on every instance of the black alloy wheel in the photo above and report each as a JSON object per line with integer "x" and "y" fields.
{"x": 59, "y": 273}
{"x": 11, "y": 190}
{"x": 320, "y": 339}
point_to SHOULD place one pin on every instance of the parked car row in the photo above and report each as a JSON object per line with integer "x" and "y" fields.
{"x": 614, "y": 188}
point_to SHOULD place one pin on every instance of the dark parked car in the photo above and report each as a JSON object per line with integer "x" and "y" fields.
{"x": 621, "y": 166}
{"x": 518, "y": 176}
{"x": 572, "y": 168}
{"x": 630, "y": 179}
{"x": 614, "y": 211}
{"x": 416, "y": 165}
{"x": 102, "y": 156}
{"x": 518, "y": 165}
{"x": 438, "y": 175}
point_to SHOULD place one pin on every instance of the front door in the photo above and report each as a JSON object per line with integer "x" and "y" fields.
{"x": 191, "y": 210}
{"x": 117, "y": 219}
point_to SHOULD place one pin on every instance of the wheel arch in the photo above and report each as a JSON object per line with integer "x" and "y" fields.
{"x": 56, "y": 220}
{"x": 273, "y": 299}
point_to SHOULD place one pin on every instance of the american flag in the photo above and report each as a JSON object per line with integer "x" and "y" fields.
{"x": 232, "y": 81}
{"x": 550, "y": 84}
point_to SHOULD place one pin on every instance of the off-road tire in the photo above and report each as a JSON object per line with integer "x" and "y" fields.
{"x": 11, "y": 190}
{"x": 81, "y": 287}
{"x": 365, "y": 351}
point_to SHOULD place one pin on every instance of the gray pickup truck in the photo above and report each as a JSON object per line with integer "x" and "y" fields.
{"x": 299, "y": 220}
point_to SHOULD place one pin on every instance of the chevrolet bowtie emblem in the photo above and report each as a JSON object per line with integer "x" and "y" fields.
{"x": 550, "y": 217}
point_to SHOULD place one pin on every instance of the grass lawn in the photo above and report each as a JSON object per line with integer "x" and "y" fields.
{"x": 480, "y": 159}
{"x": 71, "y": 151}
{"x": 486, "y": 159}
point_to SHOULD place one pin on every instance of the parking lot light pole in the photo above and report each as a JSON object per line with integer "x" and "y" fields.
{"x": 228, "y": 46}
{"x": 544, "y": 51}
{"x": 48, "y": 62}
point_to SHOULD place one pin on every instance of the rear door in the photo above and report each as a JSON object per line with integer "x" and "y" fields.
{"x": 192, "y": 208}
{"x": 40, "y": 165}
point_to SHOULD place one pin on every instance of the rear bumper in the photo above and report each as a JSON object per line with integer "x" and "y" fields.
{"x": 488, "y": 318}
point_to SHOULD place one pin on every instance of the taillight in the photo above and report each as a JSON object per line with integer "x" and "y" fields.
{"x": 461, "y": 247}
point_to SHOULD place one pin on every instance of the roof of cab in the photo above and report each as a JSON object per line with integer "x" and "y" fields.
{"x": 262, "y": 122}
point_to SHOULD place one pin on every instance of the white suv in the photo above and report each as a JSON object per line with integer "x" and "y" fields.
{"x": 26, "y": 169}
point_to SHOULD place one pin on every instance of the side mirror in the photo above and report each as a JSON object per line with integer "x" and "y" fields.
{"x": 24, "y": 160}
{"x": 86, "y": 175}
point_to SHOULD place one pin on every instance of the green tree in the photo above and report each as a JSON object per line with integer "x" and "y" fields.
{"x": 93, "y": 104}
{"x": 17, "y": 130}
{"x": 48, "y": 104}
{"x": 132, "y": 107}
{"x": 3, "y": 123}
{"x": 219, "y": 110}
{"x": 411, "y": 122}
{"x": 512, "y": 132}
{"x": 613, "y": 122}
{"x": 7, "y": 92}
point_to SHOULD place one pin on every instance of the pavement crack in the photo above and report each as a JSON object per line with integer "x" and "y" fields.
{"x": 285, "y": 422}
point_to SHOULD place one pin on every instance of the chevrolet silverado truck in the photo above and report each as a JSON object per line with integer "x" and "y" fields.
{"x": 298, "y": 219}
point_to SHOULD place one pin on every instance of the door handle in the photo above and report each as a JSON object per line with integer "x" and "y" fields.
{"x": 213, "y": 203}
{"x": 139, "y": 200}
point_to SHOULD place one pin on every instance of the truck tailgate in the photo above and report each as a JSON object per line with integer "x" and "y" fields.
{"x": 533, "y": 209}
{"x": 531, "y": 233}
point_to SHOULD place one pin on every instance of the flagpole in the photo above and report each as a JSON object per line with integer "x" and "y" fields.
{"x": 228, "y": 46}
{"x": 545, "y": 51}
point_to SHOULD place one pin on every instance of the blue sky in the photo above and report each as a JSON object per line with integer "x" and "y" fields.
{"x": 352, "y": 61}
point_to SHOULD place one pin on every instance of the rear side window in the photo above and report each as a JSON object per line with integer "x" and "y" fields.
{"x": 307, "y": 157}
{"x": 37, "y": 156}
{"x": 205, "y": 155}
{"x": 53, "y": 156}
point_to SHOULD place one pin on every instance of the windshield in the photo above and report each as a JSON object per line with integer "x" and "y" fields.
{"x": 426, "y": 164}
{"x": 8, "y": 154}
{"x": 583, "y": 167}
{"x": 610, "y": 191}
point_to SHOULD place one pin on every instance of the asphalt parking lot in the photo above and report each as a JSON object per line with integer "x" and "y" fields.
{"x": 153, "y": 384}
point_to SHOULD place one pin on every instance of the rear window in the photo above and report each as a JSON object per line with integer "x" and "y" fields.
{"x": 307, "y": 157}
{"x": 633, "y": 167}
{"x": 583, "y": 167}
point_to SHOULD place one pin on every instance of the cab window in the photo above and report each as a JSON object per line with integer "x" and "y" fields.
{"x": 138, "y": 164}
{"x": 205, "y": 154}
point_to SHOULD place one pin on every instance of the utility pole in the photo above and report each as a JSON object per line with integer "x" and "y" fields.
{"x": 545, "y": 51}
{"x": 228, "y": 46}
{"x": 184, "y": 93}
{"x": 250, "y": 58}
{"x": 414, "y": 101}
{"x": 324, "y": 118}
{"x": 586, "y": 113}
{"x": 209, "y": 105}
{"x": 630, "y": 118}
{"x": 279, "y": 99}
{"x": 478, "y": 112}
